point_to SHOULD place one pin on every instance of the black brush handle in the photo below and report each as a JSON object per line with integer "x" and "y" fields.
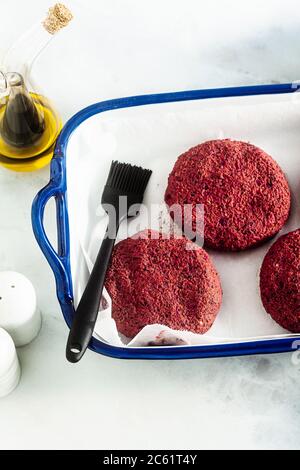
{"x": 87, "y": 311}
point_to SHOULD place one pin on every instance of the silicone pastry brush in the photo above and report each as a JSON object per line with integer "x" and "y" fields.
{"x": 121, "y": 198}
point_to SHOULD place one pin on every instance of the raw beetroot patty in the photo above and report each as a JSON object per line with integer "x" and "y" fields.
{"x": 245, "y": 194}
{"x": 280, "y": 281}
{"x": 162, "y": 281}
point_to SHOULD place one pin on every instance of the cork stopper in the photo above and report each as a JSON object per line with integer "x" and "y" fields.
{"x": 59, "y": 16}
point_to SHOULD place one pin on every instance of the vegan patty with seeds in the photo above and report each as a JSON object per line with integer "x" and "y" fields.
{"x": 245, "y": 194}
{"x": 172, "y": 282}
{"x": 280, "y": 281}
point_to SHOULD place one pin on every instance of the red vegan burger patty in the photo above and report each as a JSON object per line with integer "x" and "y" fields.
{"x": 280, "y": 281}
{"x": 168, "y": 281}
{"x": 245, "y": 194}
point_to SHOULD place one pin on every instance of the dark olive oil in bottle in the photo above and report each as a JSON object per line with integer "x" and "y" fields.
{"x": 29, "y": 127}
{"x": 22, "y": 124}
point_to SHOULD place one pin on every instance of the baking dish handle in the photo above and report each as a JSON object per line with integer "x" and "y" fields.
{"x": 59, "y": 261}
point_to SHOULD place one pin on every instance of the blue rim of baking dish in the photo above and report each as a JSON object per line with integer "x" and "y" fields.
{"x": 59, "y": 260}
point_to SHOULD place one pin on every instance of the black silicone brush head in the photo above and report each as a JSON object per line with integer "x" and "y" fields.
{"x": 128, "y": 178}
{"x": 125, "y": 180}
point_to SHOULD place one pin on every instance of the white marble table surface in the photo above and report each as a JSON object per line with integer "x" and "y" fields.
{"x": 132, "y": 47}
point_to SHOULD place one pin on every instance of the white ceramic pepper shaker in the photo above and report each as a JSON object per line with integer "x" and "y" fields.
{"x": 9, "y": 364}
{"x": 19, "y": 315}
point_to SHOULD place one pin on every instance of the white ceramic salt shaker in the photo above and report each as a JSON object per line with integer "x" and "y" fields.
{"x": 10, "y": 371}
{"x": 19, "y": 315}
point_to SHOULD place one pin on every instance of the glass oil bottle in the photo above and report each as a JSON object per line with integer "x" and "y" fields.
{"x": 29, "y": 124}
